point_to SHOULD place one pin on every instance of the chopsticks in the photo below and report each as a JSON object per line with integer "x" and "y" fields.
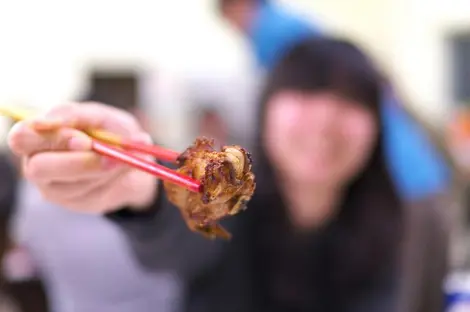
{"x": 117, "y": 148}
{"x": 157, "y": 170}
{"x": 154, "y": 150}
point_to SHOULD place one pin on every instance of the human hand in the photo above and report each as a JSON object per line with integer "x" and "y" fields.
{"x": 58, "y": 159}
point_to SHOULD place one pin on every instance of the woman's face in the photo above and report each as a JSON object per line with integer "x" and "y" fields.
{"x": 318, "y": 138}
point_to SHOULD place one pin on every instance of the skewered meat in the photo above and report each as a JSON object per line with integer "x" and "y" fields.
{"x": 227, "y": 186}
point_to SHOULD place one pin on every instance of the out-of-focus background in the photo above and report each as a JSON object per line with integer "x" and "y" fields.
{"x": 48, "y": 47}
{"x": 182, "y": 62}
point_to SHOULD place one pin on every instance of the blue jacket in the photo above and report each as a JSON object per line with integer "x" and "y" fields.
{"x": 416, "y": 166}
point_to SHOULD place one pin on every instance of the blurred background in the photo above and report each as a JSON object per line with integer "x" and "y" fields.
{"x": 49, "y": 48}
{"x": 182, "y": 63}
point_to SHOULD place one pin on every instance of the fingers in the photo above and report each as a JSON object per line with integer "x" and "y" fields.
{"x": 63, "y": 166}
{"x": 93, "y": 200}
{"x": 53, "y": 131}
{"x": 72, "y": 190}
{"x": 58, "y": 157}
{"x": 24, "y": 140}
{"x": 92, "y": 115}
{"x": 78, "y": 189}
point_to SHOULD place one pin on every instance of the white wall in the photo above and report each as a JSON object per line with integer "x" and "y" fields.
{"x": 407, "y": 36}
{"x": 46, "y": 45}
{"x": 404, "y": 37}
{"x": 420, "y": 57}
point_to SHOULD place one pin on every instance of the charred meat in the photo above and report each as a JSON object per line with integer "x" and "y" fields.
{"x": 227, "y": 185}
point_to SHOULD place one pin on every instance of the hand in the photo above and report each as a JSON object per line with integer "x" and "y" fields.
{"x": 58, "y": 159}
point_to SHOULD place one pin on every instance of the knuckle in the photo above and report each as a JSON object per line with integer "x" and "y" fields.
{"x": 89, "y": 115}
{"x": 60, "y": 141}
{"x": 95, "y": 108}
{"x": 57, "y": 141}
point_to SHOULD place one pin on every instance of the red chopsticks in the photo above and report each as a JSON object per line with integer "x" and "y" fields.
{"x": 101, "y": 139}
{"x": 147, "y": 166}
{"x": 154, "y": 150}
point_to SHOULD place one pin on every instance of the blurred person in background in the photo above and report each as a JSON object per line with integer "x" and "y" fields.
{"x": 269, "y": 27}
{"x": 22, "y": 290}
{"x": 231, "y": 97}
{"x": 337, "y": 224}
{"x": 211, "y": 125}
{"x": 326, "y": 229}
{"x": 84, "y": 259}
{"x": 417, "y": 166}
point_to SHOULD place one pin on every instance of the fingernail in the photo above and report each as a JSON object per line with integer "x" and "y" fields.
{"x": 79, "y": 143}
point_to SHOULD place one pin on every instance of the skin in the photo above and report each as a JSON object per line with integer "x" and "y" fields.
{"x": 213, "y": 126}
{"x": 240, "y": 14}
{"x": 59, "y": 161}
{"x": 318, "y": 143}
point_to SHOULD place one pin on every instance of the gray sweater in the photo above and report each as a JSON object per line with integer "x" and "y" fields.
{"x": 85, "y": 261}
{"x": 216, "y": 275}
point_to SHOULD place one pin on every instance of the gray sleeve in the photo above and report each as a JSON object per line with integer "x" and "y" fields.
{"x": 161, "y": 240}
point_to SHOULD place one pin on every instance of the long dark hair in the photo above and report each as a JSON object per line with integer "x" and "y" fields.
{"x": 369, "y": 224}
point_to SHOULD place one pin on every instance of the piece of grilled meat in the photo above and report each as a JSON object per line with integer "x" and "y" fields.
{"x": 227, "y": 186}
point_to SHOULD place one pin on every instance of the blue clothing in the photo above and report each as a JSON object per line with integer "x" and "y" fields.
{"x": 274, "y": 30}
{"x": 416, "y": 166}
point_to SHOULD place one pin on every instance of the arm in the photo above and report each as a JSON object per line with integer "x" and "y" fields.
{"x": 161, "y": 240}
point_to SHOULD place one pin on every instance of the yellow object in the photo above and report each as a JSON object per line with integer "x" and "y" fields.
{"x": 22, "y": 114}
{"x": 16, "y": 113}
{"x": 105, "y": 137}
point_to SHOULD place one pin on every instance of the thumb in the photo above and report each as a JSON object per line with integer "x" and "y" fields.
{"x": 25, "y": 140}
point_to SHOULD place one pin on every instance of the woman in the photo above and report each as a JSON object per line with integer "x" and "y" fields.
{"x": 330, "y": 226}
{"x": 325, "y": 230}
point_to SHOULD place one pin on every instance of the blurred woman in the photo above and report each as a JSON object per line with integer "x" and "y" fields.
{"x": 325, "y": 231}
{"x": 212, "y": 125}
{"x": 329, "y": 226}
